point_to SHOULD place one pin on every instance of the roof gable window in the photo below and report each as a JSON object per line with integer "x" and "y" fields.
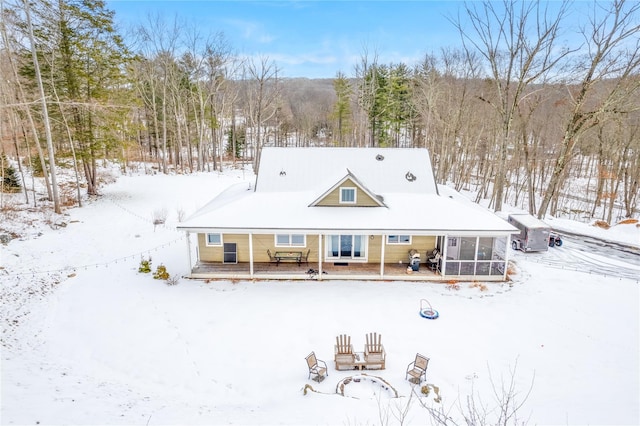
{"x": 347, "y": 195}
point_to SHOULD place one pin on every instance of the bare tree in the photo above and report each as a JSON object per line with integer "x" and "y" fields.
{"x": 606, "y": 81}
{"x": 503, "y": 408}
{"x": 158, "y": 40}
{"x": 45, "y": 111}
{"x": 21, "y": 96}
{"x": 630, "y": 174}
{"x": 262, "y": 98}
{"x": 518, "y": 41}
{"x": 366, "y": 96}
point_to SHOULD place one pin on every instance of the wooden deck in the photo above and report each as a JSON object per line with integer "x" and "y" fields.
{"x": 331, "y": 270}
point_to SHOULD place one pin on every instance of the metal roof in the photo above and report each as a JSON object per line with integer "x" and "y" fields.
{"x": 290, "y": 179}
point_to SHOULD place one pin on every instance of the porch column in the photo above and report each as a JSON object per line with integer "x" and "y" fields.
{"x": 189, "y": 251}
{"x": 320, "y": 256}
{"x": 507, "y": 246}
{"x": 384, "y": 238}
{"x": 251, "y": 254}
{"x": 443, "y": 259}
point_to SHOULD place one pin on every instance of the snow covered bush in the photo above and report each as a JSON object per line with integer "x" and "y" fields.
{"x": 159, "y": 216}
{"x": 161, "y": 273}
{"x": 145, "y": 265}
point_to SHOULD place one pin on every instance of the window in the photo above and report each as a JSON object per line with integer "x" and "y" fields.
{"x": 347, "y": 195}
{"x": 467, "y": 248}
{"x": 485, "y": 248}
{"x": 290, "y": 240}
{"x": 214, "y": 239}
{"x": 399, "y": 239}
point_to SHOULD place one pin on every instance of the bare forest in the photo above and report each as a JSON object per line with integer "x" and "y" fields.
{"x": 526, "y": 109}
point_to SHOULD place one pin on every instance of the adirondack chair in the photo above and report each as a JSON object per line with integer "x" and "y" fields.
{"x": 343, "y": 353}
{"x": 374, "y": 354}
{"x": 417, "y": 369}
{"x": 317, "y": 368}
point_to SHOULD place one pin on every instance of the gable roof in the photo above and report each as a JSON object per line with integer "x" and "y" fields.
{"x": 384, "y": 170}
{"x": 376, "y": 199}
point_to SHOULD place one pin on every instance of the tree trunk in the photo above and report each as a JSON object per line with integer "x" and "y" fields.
{"x": 45, "y": 112}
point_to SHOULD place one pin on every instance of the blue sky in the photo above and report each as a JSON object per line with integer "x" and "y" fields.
{"x": 313, "y": 39}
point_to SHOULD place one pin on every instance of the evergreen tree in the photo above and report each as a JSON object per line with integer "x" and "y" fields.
{"x": 10, "y": 181}
{"x": 236, "y": 140}
{"x": 83, "y": 66}
{"x": 342, "y": 107}
{"x": 400, "y": 105}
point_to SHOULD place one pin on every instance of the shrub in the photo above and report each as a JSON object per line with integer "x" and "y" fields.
{"x": 145, "y": 265}
{"x": 159, "y": 217}
{"x": 161, "y": 273}
{"x": 478, "y": 285}
{"x": 453, "y": 285}
{"x": 601, "y": 224}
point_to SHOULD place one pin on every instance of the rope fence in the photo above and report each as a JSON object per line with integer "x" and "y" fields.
{"x": 620, "y": 272}
{"x": 70, "y": 269}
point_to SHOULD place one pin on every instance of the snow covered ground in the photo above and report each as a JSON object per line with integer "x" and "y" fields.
{"x": 86, "y": 339}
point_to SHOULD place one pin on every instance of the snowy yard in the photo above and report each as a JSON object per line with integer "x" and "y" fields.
{"x": 109, "y": 345}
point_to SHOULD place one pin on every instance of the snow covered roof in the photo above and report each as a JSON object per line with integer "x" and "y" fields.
{"x": 407, "y": 209}
{"x": 528, "y": 220}
{"x": 381, "y": 170}
{"x": 240, "y": 210}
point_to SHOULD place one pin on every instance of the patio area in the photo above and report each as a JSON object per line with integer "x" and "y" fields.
{"x": 304, "y": 271}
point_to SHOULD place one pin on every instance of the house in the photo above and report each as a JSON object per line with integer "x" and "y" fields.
{"x": 345, "y": 213}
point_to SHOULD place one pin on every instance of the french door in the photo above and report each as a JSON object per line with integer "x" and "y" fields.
{"x": 346, "y": 247}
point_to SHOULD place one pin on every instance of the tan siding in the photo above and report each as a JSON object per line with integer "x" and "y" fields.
{"x": 332, "y": 199}
{"x": 261, "y": 243}
{"x": 312, "y": 244}
{"x": 394, "y": 253}
{"x": 208, "y": 254}
{"x": 214, "y": 254}
{"x": 374, "y": 248}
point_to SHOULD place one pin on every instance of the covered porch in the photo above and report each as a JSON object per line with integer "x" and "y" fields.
{"x": 330, "y": 270}
{"x": 383, "y": 257}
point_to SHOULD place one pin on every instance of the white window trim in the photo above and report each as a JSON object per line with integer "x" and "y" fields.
{"x": 290, "y": 244}
{"x": 355, "y": 195}
{"x": 327, "y": 250}
{"x": 399, "y": 243}
{"x": 206, "y": 239}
